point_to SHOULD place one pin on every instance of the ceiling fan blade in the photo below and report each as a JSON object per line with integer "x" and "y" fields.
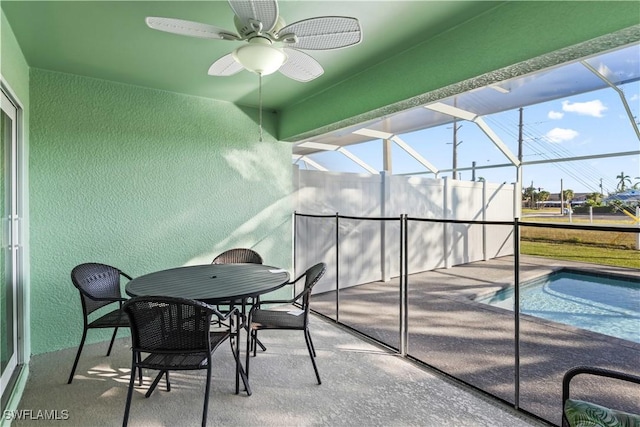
{"x": 189, "y": 28}
{"x": 264, "y": 11}
{"x": 323, "y": 33}
{"x": 300, "y": 66}
{"x": 225, "y": 66}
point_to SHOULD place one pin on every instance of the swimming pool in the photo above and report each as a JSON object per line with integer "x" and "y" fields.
{"x": 604, "y": 304}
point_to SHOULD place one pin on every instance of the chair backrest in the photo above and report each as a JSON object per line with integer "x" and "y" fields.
{"x": 238, "y": 256}
{"x": 167, "y": 324}
{"x": 95, "y": 281}
{"x": 311, "y": 277}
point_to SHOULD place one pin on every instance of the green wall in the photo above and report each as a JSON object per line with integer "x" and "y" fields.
{"x": 13, "y": 66}
{"x": 143, "y": 180}
{"x": 513, "y": 32}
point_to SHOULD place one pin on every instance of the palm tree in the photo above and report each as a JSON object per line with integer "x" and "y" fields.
{"x": 529, "y": 194}
{"x": 623, "y": 180}
{"x": 567, "y": 195}
{"x": 594, "y": 199}
{"x": 637, "y": 183}
{"x": 543, "y": 196}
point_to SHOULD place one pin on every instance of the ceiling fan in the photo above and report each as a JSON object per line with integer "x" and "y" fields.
{"x": 272, "y": 45}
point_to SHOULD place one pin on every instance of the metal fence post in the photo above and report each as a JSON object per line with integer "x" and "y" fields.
{"x": 638, "y": 235}
{"x": 516, "y": 308}
{"x": 403, "y": 285}
{"x": 337, "y": 267}
{"x": 295, "y": 242}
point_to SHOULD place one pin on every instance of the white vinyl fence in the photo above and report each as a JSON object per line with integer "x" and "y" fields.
{"x": 369, "y": 249}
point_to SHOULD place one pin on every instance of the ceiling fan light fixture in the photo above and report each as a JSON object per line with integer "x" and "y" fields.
{"x": 259, "y": 56}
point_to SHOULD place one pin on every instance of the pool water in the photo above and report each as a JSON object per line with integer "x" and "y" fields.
{"x": 604, "y": 304}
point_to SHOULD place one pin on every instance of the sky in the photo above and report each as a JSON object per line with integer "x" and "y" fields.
{"x": 587, "y": 124}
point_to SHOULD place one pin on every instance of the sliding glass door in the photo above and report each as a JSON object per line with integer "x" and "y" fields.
{"x": 9, "y": 248}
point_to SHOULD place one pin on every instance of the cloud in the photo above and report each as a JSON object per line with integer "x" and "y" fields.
{"x": 590, "y": 108}
{"x": 634, "y": 97}
{"x": 558, "y": 135}
{"x": 555, "y": 115}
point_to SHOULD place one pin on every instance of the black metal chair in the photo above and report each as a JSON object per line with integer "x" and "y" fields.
{"x": 238, "y": 256}
{"x": 260, "y": 319}
{"x": 174, "y": 334}
{"x": 99, "y": 286}
{"x": 588, "y": 413}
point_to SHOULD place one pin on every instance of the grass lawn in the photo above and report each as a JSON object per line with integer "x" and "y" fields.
{"x": 582, "y": 252}
{"x": 608, "y": 248}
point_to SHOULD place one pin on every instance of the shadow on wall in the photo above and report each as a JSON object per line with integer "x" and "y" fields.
{"x": 269, "y": 230}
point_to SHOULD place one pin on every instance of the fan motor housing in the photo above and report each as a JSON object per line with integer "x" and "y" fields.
{"x": 247, "y": 30}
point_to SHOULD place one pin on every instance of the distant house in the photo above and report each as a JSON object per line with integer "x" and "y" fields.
{"x": 629, "y": 196}
{"x": 579, "y": 199}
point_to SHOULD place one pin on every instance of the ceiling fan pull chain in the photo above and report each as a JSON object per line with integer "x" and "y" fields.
{"x": 260, "y": 104}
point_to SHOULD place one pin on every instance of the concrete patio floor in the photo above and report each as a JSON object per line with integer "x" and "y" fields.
{"x": 362, "y": 385}
{"x": 475, "y": 343}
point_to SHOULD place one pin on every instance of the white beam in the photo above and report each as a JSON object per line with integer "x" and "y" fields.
{"x": 308, "y": 161}
{"x": 603, "y": 74}
{"x": 499, "y": 88}
{"x": 413, "y": 153}
{"x": 395, "y": 138}
{"x": 358, "y": 161}
{"x": 318, "y": 146}
{"x": 373, "y": 133}
{"x": 496, "y": 140}
{"x": 452, "y": 111}
{"x": 387, "y": 158}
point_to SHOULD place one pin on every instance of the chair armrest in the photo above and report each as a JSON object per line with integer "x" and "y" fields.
{"x": 224, "y": 316}
{"x": 120, "y": 299}
{"x": 280, "y": 301}
{"x": 569, "y": 406}
{"x": 284, "y": 301}
{"x": 571, "y": 373}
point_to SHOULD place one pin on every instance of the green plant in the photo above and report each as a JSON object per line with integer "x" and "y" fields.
{"x": 622, "y": 181}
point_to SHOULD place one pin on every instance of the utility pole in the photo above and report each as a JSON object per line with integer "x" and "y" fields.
{"x": 520, "y": 136}
{"x": 561, "y": 198}
{"x": 519, "y": 167}
{"x": 601, "y": 191}
{"x": 454, "y": 167}
{"x": 532, "y": 201}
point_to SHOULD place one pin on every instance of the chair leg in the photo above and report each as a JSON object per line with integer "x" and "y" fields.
{"x": 311, "y": 342}
{"x": 240, "y": 372}
{"x": 250, "y": 337}
{"x": 154, "y": 384}
{"x": 254, "y": 337}
{"x": 168, "y": 382}
{"x": 249, "y": 346}
{"x": 75, "y": 363}
{"x": 206, "y": 392}
{"x": 139, "y": 369}
{"x": 233, "y": 342}
{"x": 130, "y": 391}
{"x": 307, "y": 338}
{"x": 113, "y": 338}
{"x": 257, "y": 341}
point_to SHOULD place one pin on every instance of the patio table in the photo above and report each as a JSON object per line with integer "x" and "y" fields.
{"x": 213, "y": 284}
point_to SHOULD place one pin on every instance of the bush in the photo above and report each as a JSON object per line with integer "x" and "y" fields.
{"x": 596, "y": 209}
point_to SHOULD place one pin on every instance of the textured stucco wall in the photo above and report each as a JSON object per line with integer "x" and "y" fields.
{"x": 143, "y": 180}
